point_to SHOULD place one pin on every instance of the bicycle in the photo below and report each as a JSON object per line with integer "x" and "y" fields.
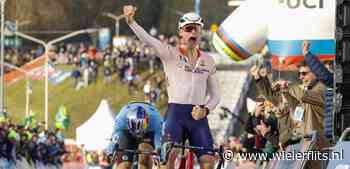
{"x": 136, "y": 153}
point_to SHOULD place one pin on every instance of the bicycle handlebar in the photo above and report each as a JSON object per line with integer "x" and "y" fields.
{"x": 137, "y": 152}
{"x": 176, "y": 145}
{"x": 117, "y": 149}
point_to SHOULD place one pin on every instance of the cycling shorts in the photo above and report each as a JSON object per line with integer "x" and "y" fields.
{"x": 180, "y": 125}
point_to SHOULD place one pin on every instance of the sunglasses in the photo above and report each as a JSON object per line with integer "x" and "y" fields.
{"x": 191, "y": 28}
{"x": 303, "y": 73}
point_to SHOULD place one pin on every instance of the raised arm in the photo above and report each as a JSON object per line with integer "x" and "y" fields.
{"x": 316, "y": 66}
{"x": 161, "y": 48}
{"x": 263, "y": 84}
{"x": 319, "y": 69}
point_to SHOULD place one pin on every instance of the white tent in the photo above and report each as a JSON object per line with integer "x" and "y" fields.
{"x": 94, "y": 134}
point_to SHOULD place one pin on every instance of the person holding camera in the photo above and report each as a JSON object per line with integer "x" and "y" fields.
{"x": 262, "y": 125}
{"x": 306, "y": 100}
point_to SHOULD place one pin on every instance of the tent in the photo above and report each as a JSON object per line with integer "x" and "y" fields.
{"x": 95, "y": 133}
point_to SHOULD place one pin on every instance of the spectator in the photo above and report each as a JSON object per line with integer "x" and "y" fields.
{"x": 307, "y": 99}
{"x": 86, "y": 75}
{"x": 107, "y": 72}
{"x": 76, "y": 74}
{"x": 131, "y": 77}
{"x": 93, "y": 71}
{"x": 254, "y": 119}
{"x": 324, "y": 72}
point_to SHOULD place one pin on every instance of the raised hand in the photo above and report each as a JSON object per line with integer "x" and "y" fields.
{"x": 254, "y": 71}
{"x": 129, "y": 13}
{"x": 258, "y": 72}
{"x": 306, "y": 47}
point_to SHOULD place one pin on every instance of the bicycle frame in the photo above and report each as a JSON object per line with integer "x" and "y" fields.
{"x": 186, "y": 161}
{"x": 183, "y": 159}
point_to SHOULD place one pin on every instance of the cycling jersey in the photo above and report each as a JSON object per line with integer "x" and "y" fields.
{"x": 282, "y": 25}
{"x": 121, "y": 126}
{"x": 186, "y": 84}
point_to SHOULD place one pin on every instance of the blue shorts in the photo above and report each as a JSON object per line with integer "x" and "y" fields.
{"x": 179, "y": 122}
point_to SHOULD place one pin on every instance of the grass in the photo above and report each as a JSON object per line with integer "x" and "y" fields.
{"x": 80, "y": 104}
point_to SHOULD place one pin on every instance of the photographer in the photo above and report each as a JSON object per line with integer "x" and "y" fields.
{"x": 262, "y": 124}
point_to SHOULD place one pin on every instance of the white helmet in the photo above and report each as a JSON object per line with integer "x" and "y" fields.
{"x": 189, "y": 18}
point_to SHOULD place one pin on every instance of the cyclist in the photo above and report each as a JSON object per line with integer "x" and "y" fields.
{"x": 137, "y": 126}
{"x": 193, "y": 87}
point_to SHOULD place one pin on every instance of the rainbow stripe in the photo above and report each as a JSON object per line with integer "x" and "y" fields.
{"x": 291, "y": 50}
{"x": 223, "y": 49}
{"x": 226, "y": 45}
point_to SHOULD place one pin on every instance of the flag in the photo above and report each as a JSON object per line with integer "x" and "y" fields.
{"x": 30, "y": 120}
{"x": 2, "y": 119}
{"x": 62, "y": 118}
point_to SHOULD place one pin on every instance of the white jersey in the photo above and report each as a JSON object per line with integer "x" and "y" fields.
{"x": 282, "y": 25}
{"x": 196, "y": 85}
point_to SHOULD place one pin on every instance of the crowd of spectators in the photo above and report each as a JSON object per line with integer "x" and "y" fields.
{"x": 20, "y": 56}
{"x": 126, "y": 62}
{"x": 29, "y": 145}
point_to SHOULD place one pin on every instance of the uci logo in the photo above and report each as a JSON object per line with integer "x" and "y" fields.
{"x": 293, "y": 4}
